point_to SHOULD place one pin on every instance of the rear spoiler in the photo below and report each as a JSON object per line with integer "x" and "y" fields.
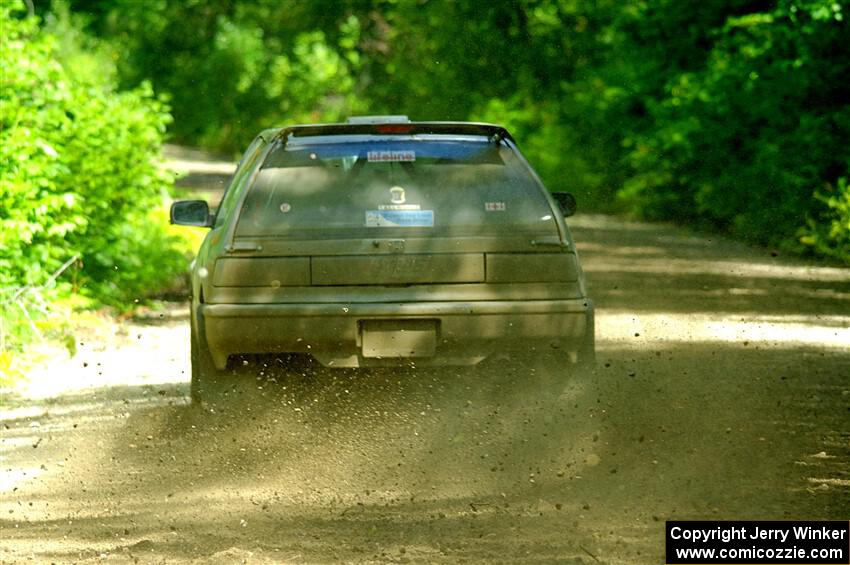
{"x": 397, "y": 128}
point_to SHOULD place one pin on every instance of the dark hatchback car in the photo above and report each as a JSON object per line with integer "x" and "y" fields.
{"x": 385, "y": 242}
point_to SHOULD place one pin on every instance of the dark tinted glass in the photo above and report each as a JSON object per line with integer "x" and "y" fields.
{"x": 405, "y": 186}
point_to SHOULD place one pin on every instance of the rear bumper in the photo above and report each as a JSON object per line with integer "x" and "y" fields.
{"x": 466, "y": 331}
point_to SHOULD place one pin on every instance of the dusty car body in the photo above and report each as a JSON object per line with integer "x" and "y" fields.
{"x": 381, "y": 242}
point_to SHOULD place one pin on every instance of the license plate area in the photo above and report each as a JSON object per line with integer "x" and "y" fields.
{"x": 398, "y": 338}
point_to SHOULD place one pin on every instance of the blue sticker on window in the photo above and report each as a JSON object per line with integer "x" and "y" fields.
{"x": 400, "y": 218}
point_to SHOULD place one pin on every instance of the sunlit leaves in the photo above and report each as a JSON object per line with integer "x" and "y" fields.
{"x": 80, "y": 174}
{"x": 829, "y": 234}
{"x": 745, "y": 135}
{"x": 725, "y": 113}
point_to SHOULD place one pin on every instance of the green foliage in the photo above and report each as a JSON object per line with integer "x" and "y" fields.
{"x": 80, "y": 176}
{"x": 733, "y": 115}
{"x": 829, "y": 235}
{"x": 730, "y": 114}
{"x": 742, "y": 132}
{"x": 231, "y": 70}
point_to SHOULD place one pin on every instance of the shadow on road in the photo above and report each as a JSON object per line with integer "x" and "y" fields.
{"x": 720, "y": 393}
{"x": 445, "y": 465}
{"x": 644, "y": 268}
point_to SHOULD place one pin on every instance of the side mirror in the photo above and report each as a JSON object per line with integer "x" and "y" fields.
{"x": 567, "y": 202}
{"x": 191, "y": 213}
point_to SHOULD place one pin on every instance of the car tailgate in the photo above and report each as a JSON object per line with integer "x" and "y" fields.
{"x": 398, "y": 269}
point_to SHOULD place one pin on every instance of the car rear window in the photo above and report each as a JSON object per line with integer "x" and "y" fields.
{"x": 394, "y": 187}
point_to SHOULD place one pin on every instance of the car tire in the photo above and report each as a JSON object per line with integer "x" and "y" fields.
{"x": 208, "y": 382}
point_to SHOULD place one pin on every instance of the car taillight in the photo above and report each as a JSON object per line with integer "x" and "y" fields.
{"x": 531, "y": 267}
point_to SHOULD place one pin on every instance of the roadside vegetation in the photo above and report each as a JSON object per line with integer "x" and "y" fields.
{"x": 730, "y": 116}
{"x": 83, "y": 222}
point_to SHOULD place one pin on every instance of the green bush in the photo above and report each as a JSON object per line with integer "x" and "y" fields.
{"x": 732, "y": 114}
{"x": 80, "y": 174}
{"x": 829, "y": 234}
{"x": 231, "y": 71}
{"x": 747, "y": 123}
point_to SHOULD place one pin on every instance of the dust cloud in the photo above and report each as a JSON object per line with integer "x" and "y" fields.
{"x": 721, "y": 392}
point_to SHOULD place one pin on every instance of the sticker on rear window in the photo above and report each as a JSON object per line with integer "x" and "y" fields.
{"x": 397, "y": 195}
{"x": 398, "y": 206}
{"x": 399, "y": 218}
{"x": 495, "y": 206}
{"x": 390, "y": 156}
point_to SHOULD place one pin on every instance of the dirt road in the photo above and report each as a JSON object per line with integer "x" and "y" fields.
{"x": 722, "y": 392}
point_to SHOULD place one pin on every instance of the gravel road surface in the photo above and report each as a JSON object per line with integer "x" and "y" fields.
{"x": 722, "y": 392}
